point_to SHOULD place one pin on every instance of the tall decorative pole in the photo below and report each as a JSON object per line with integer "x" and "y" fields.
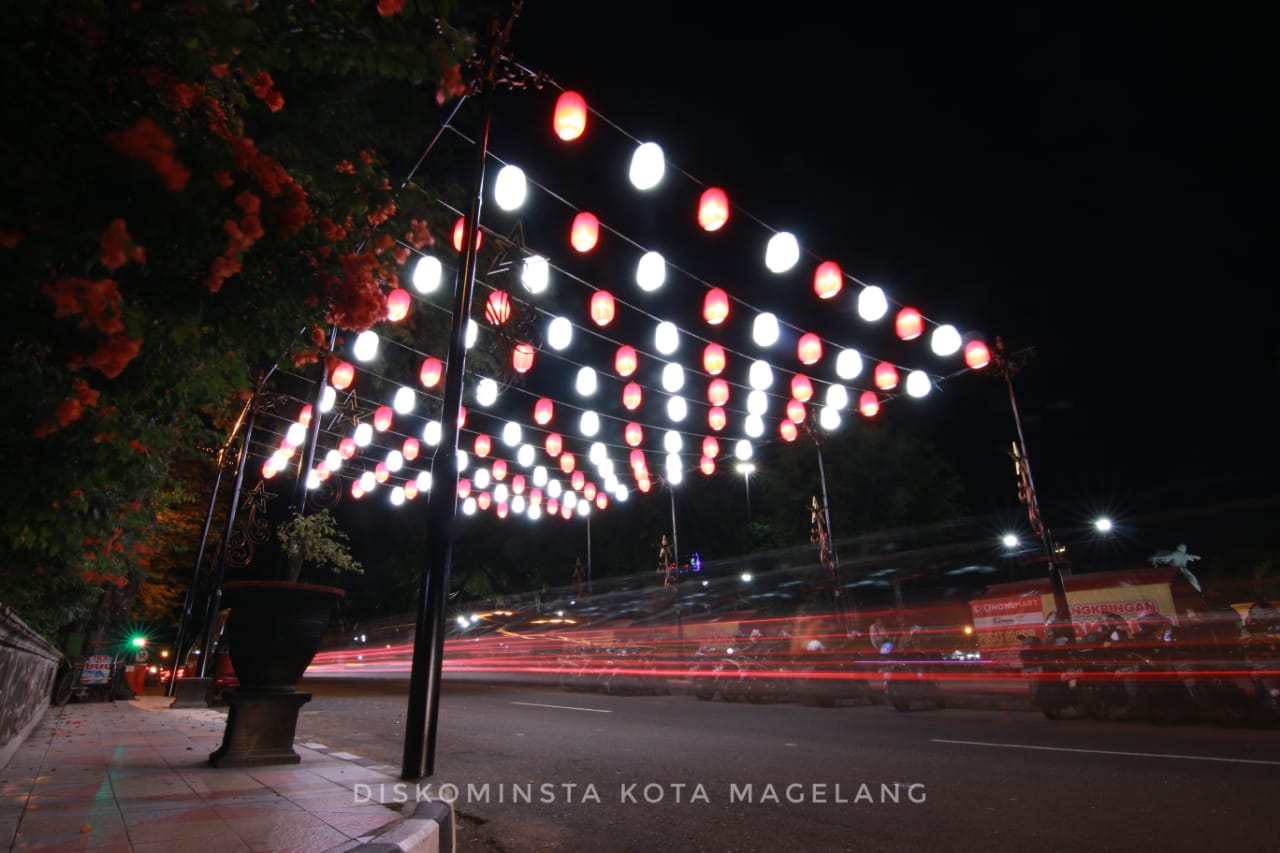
{"x": 827, "y": 549}
{"x": 1006, "y": 365}
{"x": 188, "y": 603}
{"x": 428, "y": 642}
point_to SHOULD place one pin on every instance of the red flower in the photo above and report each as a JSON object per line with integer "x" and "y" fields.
{"x": 118, "y": 247}
{"x": 387, "y": 8}
{"x": 147, "y": 141}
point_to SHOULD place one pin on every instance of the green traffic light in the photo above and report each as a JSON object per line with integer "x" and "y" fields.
{"x": 138, "y": 642}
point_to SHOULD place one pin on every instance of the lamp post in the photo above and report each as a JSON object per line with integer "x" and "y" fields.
{"x": 827, "y": 548}
{"x": 674, "y": 557}
{"x": 1007, "y": 364}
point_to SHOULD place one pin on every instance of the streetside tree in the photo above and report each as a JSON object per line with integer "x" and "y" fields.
{"x": 193, "y": 192}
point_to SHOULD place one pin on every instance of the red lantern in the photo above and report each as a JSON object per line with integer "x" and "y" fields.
{"x": 716, "y": 418}
{"x": 809, "y": 349}
{"x": 710, "y": 446}
{"x": 347, "y": 448}
{"x": 718, "y": 392}
{"x": 357, "y": 491}
{"x": 602, "y": 307}
{"x": 484, "y": 500}
{"x": 343, "y": 375}
{"x": 634, "y": 434}
{"x": 708, "y": 465}
{"x": 602, "y": 501}
{"x": 589, "y": 491}
{"x": 801, "y": 388}
{"x": 637, "y": 460}
{"x": 644, "y": 484}
{"x": 431, "y": 371}
{"x": 411, "y": 490}
{"x": 502, "y": 509}
{"x": 410, "y": 448}
{"x": 570, "y": 118}
{"x": 713, "y": 359}
{"x": 381, "y": 472}
{"x": 304, "y": 417}
{"x": 827, "y": 279}
{"x": 554, "y": 444}
{"x": 543, "y": 410}
{"x": 462, "y": 416}
{"x": 567, "y": 462}
{"x": 499, "y": 469}
{"x": 269, "y": 471}
{"x": 908, "y": 324}
{"x": 517, "y": 484}
{"x": 578, "y": 480}
{"x": 458, "y": 228}
{"x": 382, "y": 418}
{"x": 886, "y": 376}
{"x": 585, "y": 232}
{"x": 566, "y": 511}
{"x": 522, "y": 358}
{"x": 631, "y": 396}
{"x": 715, "y": 307}
{"x": 868, "y": 405}
{"x": 497, "y": 308}
{"x": 398, "y": 302}
{"x": 625, "y": 361}
{"x": 535, "y": 497}
{"x": 795, "y": 411}
{"x": 483, "y": 445}
{"x": 713, "y": 209}
{"x": 788, "y": 430}
{"x": 976, "y": 355}
{"x": 553, "y": 506}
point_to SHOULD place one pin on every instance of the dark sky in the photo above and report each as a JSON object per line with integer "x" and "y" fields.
{"x": 1091, "y": 181}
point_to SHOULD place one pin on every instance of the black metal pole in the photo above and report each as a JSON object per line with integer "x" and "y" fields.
{"x": 675, "y": 555}
{"x": 308, "y": 460}
{"x": 831, "y": 542}
{"x": 428, "y": 639}
{"x": 215, "y": 594}
{"x": 1060, "y": 603}
{"x": 185, "y": 619}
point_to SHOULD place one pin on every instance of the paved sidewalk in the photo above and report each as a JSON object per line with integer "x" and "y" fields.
{"x": 133, "y": 776}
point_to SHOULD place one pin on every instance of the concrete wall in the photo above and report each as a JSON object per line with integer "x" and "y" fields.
{"x": 28, "y": 665}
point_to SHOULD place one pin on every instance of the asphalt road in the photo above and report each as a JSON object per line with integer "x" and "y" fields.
{"x": 541, "y": 769}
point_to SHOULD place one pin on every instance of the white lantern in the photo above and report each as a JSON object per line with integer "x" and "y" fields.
{"x": 559, "y": 333}
{"x": 426, "y": 274}
{"x": 872, "y": 304}
{"x": 366, "y": 346}
{"x": 651, "y": 272}
{"x": 782, "y": 252}
{"x": 510, "y": 187}
{"x": 535, "y": 274}
{"x": 647, "y": 166}
{"x": 764, "y": 331}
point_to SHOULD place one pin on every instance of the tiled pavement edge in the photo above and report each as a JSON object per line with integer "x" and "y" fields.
{"x": 134, "y": 776}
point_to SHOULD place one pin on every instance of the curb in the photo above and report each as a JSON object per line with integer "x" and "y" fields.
{"x": 429, "y": 828}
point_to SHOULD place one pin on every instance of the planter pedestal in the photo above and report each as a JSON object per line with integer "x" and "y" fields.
{"x": 260, "y": 728}
{"x": 191, "y": 693}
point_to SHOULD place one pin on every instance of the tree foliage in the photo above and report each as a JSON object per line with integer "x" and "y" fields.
{"x": 196, "y": 191}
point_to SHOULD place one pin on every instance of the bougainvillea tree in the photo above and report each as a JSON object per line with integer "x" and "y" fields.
{"x": 192, "y": 192}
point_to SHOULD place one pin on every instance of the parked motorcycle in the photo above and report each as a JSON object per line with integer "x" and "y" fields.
{"x": 909, "y": 674}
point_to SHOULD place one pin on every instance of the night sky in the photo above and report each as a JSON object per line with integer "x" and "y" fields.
{"x": 1094, "y": 183}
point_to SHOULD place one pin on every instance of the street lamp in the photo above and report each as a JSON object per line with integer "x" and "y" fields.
{"x": 821, "y": 517}
{"x": 672, "y": 553}
{"x": 1006, "y": 365}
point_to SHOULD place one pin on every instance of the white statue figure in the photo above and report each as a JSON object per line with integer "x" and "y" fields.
{"x": 1178, "y": 558}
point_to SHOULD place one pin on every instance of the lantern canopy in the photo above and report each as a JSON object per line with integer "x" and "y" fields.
{"x": 713, "y": 209}
{"x": 908, "y": 325}
{"x": 625, "y": 360}
{"x": 976, "y": 356}
{"x": 522, "y": 357}
{"x": 570, "y": 118}
{"x": 398, "y": 302}
{"x": 886, "y": 376}
{"x": 713, "y": 359}
{"x": 585, "y": 232}
{"x": 828, "y": 279}
{"x": 602, "y": 307}
{"x": 343, "y": 375}
{"x": 809, "y": 348}
{"x": 715, "y": 307}
{"x": 430, "y": 372}
{"x": 497, "y": 308}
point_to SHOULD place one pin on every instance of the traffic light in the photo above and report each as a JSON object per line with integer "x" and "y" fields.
{"x": 138, "y": 641}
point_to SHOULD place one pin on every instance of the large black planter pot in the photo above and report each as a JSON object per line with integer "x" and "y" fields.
{"x": 274, "y": 630}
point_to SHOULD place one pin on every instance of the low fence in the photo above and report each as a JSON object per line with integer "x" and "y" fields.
{"x": 28, "y": 665}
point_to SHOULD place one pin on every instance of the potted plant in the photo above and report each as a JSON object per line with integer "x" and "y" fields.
{"x": 274, "y": 629}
